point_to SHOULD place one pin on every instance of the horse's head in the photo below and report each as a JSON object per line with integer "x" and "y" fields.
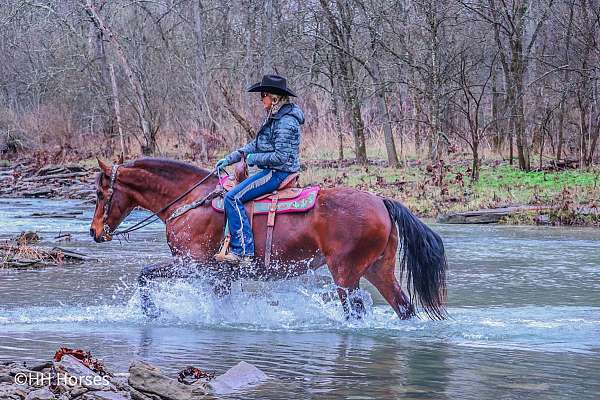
{"x": 113, "y": 202}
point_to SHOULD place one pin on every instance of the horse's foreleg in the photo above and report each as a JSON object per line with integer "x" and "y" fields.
{"x": 221, "y": 279}
{"x": 150, "y": 272}
{"x": 222, "y": 286}
{"x": 353, "y": 306}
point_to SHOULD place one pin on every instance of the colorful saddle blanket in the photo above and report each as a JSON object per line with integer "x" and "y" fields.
{"x": 292, "y": 200}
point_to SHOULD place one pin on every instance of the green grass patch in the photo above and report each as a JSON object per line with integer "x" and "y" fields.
{"x": 506, "y": 175}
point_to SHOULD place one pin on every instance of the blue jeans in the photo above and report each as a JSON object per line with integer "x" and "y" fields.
{"x": 263, "y": 182}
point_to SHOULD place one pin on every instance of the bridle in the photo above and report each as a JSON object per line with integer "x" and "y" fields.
{"x": 111, "y": 191}
{"x": 106, "y": 231}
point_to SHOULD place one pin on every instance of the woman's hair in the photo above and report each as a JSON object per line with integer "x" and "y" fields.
{"x": 278, "y": 101}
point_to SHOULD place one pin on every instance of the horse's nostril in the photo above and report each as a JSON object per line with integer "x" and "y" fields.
{"x": 92, "y": 233}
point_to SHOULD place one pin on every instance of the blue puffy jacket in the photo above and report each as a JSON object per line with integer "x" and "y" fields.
{"x": 277, "y": 143}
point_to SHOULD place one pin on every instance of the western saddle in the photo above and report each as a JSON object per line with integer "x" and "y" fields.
{"x": 288, "y": 189}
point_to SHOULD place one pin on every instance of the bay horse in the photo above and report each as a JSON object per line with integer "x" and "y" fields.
{"x": 355, "y": 233}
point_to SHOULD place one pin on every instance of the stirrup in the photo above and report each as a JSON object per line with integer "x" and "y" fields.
{"x": 232, "y": 258}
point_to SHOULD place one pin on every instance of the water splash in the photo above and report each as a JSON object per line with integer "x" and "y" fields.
{"x": 309, "y": 305}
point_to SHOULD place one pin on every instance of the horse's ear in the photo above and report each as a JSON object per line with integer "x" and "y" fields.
{"x": 104, "y": 167}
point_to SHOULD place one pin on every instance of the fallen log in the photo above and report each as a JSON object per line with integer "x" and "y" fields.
{"x": 56, "y": 176}
{"x": 53, "y": 169}
{"x": 66, "y": 214}
{"x": 487, "y": 216}
{"x": 37, "y": 192}
{"x": 72, "y": 255}
{"x": 13, "y": 255}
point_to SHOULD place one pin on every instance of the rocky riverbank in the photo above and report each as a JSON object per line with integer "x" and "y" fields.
{"x": 29, "y": 179}
{"x": 77, "y": 376}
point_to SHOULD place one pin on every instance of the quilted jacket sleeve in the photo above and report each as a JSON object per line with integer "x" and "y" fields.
{"x": 286, "y": 137}
{"x": 236, "y": 155}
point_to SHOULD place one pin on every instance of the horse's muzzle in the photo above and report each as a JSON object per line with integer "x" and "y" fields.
{"x": 101, "y": 238}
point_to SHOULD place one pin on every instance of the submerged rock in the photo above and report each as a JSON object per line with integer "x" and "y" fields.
{"x": 148, "y": 378}
{"x": 238, "y": 376}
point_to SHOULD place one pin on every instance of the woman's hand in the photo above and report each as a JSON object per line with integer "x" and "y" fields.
{"x": 250, "y": 159}
{"x": 222, "y": 163}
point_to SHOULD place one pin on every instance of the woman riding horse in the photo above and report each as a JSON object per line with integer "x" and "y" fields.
{"x": 275, "y": 150}
{"x": 354, "y": 233}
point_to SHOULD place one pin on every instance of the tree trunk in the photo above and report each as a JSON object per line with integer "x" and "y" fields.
{"x": 385, "y": 115}
{"x": 117, "y": 107}
{"x": 358, "y": 127}
{"x": 382, "y": 104}
{"x": 475, "y": 162}
{"x": 561, "y": 128}
{"x": 498, "y": 138}
{"x": 338, "y": 117}
{"x": 417, "y": 124}
{"x": 341, "y": 35}
{"x": 435, "y": 147}
{"x": 200, "y": 71}
{"x": 268, "y": 50}
{"x": 138, "y": 91}
{"x": 518, "y": 71}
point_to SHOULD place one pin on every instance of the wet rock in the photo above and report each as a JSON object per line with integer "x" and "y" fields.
{"x": 137, "y": 395}
{"x": 85, "y": 377}
{"x": 121, "y": 381}
{"x": 146, "y": 378}
{"x": 77, "y": 391}
{"x": 105, "y": 395}
{"x": 41, "y": 394}
{"x": 19, "y": 369}
{"x": 238, "y": 376}
{"x": 13, "y": 391}
{"x": 542, "y": 219}
{"x": 41, "y": 367}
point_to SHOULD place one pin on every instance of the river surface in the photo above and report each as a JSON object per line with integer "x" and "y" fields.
{"x": 524, "y": 305}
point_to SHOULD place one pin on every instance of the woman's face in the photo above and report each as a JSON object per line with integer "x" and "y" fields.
{"x": 266, "y": 100}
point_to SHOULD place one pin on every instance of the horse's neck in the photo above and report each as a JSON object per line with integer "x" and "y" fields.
{"x": 155, "y": 192}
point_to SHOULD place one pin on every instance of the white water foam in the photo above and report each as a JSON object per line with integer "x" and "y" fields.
{"x": 309, "y": 306}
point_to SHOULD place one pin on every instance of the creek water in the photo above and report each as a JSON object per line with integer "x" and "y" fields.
{"x": 524, "y": 305}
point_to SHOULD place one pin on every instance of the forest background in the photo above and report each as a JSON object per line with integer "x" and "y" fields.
{"x": 448, "y": 105}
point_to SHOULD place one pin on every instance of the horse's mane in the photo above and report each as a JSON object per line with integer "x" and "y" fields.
{"x": 166, "y": 167}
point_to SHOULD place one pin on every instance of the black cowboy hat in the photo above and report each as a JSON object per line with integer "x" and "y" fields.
{"x": 272, "y": 84}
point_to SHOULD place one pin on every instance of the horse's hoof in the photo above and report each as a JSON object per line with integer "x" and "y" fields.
{"x": 151, "y": 311}
{"x": 407, "y": 312}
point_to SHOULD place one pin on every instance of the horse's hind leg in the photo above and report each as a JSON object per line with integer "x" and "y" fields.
{"x": 347, "y": 280}
{"x": 161, "y": 270}
{"x": 381, "y": 275}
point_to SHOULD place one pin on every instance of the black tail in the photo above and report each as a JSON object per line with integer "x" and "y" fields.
{"x": 422, "y": 256}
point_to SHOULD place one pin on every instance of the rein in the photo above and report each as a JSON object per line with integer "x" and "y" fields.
{"x": 151, "y": 218}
